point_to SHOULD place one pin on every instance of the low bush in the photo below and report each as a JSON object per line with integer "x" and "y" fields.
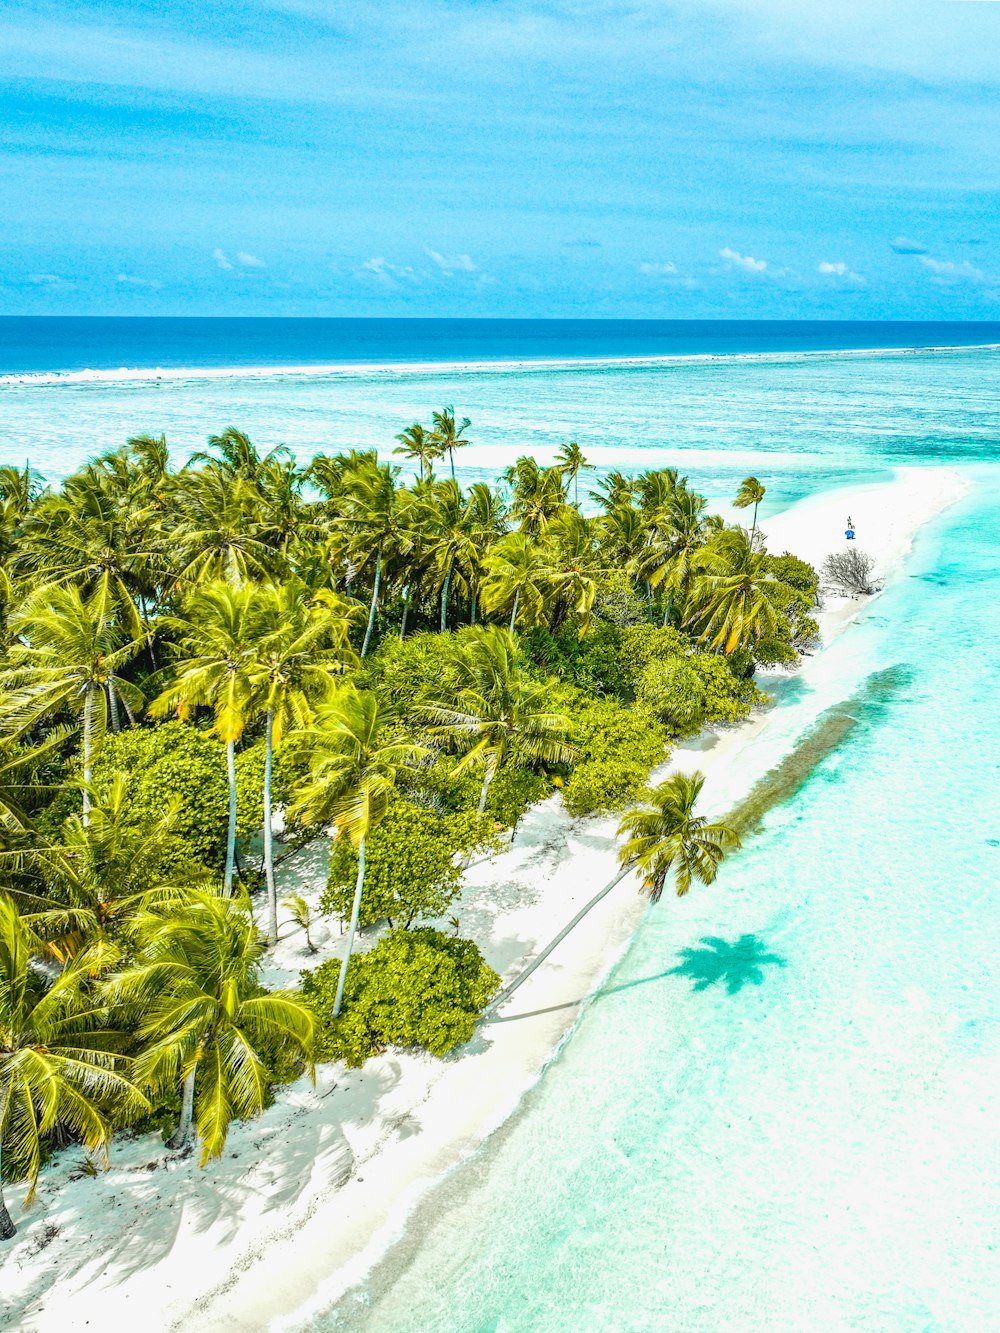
{"x": 415, "y": 988}
{"x": 618, "y": 747}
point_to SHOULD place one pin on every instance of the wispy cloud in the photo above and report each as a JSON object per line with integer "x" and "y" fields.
{"x": 129, "y": 281}
{"x": 380, "y": 268}
{"x": 840, "y": 270}
{"x": 904, "y": 246}
{"x": 48, "y": 280}
{"x": 451, "y": 264}
{"x": 947, "y": 271}
{"x": 250, "y": 261}
{"x": 658, "y": 270}
{"x": 220, "y": 258}
{"x": 745, "y": 262}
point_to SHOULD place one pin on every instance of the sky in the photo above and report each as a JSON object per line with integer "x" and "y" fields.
{"x": 566, "y": 158}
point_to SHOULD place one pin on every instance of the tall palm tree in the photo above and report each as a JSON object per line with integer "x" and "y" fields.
{"x": 65, "y": 660}
{"x": 58, "y": 1064}
{"x": 517, "y": 576}
{"x": 300, "y": 647}
{"x": 737, "y": 601}
{"x": 614, "y": 491}
{"x": 671, "y": 555}
{"x": 751, "y": 492}
{"x": 666, "y": 835}
{"x": 214, "y": 668}
{"x": 538, "y": 494}
{"x": 214, "y": 534}
{"x": 495, "y": 711}
{"x": 452, "y": 549}
{"x": 447, "y": 436}
{"x": 420, "y": 445}
{"x": 371, "y": 519}
{"x": 571, "y": 463}
{"x": 357, "y": 757}
{"x": 203, "y": 1018}
{"x": 575, "y": 565}
{"x": 236, "y": 456}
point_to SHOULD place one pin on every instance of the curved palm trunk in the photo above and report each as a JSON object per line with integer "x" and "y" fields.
{"x": 513, "y": 610}
{"x": 182, "y": 1133}
{"x": 519, "y": 980}
{"x": 374, "y": 606}
{"x": 116, "y": 725}
{"x": 753, "y": 530}
{"x": 272, "y": 892}
{"x": 406, "y": 607}
{"x": 451, "y": 460}
{"x": 444, "y": 597}
{"x": 7, "y": 1227}
{"x": 485, "y": 791}
{"x": 355, "y": 913}
{"x": 88, "y": 747}
{"x": 227, "y": 883}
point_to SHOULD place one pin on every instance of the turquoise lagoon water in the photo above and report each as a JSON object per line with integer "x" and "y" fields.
{"x": 780, "y": 1112}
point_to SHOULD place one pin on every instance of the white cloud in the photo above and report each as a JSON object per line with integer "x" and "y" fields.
{"x": 47, "y": 280}
{"x": 945, "y": 270}
{"x": 655, "y": 270}
{"x": 840, "y": 270}
{"x": 138, "y": 282}
{"x": 380, "y": 268}
{"x": 250, "y": 261}
{"x": 904, "y": 246}
{"x": 450, "y": 264}
{"x": 220, "y": 259}
{"x": 745, "y": 262}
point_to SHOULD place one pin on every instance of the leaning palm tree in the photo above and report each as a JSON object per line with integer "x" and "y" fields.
{"x": 419, "y": 445}
{"x": 495, "y": 711}
{"x": 300, "y": 647}
{"x": 517, "y": 573}
{"x": 751, "y": 492}
{"x": 355, "y": 763}
{"x": 203, "y": 1019}
{"x": 665, "y": 835}
{"x": 214, "y": 669}
{"x": 65, "y": 660}
{"x": 58, "y": 1065}
{"x": 447, "y": 436}
{"x": 571, "y": 463}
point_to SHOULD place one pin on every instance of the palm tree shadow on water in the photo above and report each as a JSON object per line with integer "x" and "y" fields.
{"x": 735, "y": 964}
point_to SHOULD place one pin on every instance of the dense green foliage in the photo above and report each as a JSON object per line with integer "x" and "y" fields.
{"x": 415, "y": 988}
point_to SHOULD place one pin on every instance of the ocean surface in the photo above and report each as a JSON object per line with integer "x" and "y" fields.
{"x": 780, "y": 1112}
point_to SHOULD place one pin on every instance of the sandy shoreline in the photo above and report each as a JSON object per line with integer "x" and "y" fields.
{"x": 307, "y": 1198}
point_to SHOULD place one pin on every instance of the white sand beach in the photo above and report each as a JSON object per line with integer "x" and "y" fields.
{"x": 309, "y": 1196}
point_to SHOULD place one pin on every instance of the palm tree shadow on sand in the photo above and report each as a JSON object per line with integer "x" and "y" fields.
{"x": 736, "y": 964}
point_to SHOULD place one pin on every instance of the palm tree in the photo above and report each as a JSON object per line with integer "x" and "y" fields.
{"x": 751, "y": 492}
{"x": 538, "y": 494}
{"x": 671, "y": 555}
{"x": 575, "y": 565}
{"x": 370, "y": 518}
{"x": 446, "y": 436}
{"x": 452, "y": 549}
{"x": 517, "y": 576}
{"x": 57, "y": 1061}
{"x": 666, "y": 835}
{"x": 203, "y": 1019}
{"x": 614, "y": 491}
{"x": 214, "y": 669}
{"x": 571, "y": 463}
{"x": 416, "y": 443}
{"x": 496, "y": 711}
{"x": 355, "y": 765}
{"x": 66, "y": 660}
{"x": 737, "y": 601}
{"x": 300, "y": 647}
{"x": 238, "y": 457}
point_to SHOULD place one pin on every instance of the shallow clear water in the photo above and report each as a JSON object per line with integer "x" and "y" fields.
{"x": 781, "y": 1110}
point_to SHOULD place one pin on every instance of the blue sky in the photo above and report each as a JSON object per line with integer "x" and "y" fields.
{"x": 712, "y": 159}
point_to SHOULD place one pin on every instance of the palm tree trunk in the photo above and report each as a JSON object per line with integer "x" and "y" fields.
{"x": 88, "y": 745}
{"x": 451, "y": 460}
{"x": 444, "y": 597}
{"x": 116, "y": 725}
{"x": 355, "y": 913}
{"x": 182, "y": 1133}
{"x": 649, "y": 600}
{"x": 519, "y": 980}
{"x": 485, "y": 791}
{"x": 7, "y": 1228}
{"x": 374, "y": 605}
{"x": 272, "y": 892}
{"x": 406, "y": 607}
{"x": 227, "y": 883}
{"x": 753, "y": 530}
{"x": 513, "y": 610}
{"x": 472, "y": 619}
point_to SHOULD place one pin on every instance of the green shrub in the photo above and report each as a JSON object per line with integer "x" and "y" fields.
{"x": 673, "y": 691}
{"x": 728, "y": 696}
{"x": 413, "y": 864}
{"x": 618, "y": 747}
{"x": 415, "y": 988}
